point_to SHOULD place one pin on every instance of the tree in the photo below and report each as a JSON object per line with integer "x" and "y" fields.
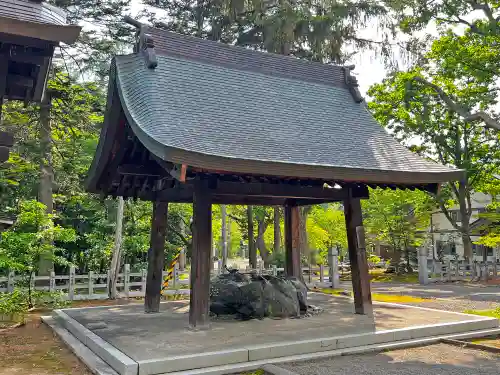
{"x": 424, "y": 122}
{"x": 326, "y": 229}
{"x": 470, "y": 54}
{"x": 320, "y": 31}
{"x": 399, "y": 218}
{"x": 33, "y": 236}
{"x": 117, "y": 249}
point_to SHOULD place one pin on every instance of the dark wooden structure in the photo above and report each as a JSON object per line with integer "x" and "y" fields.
{"x": 29, "y": 32}
{"x": 200, "y": 122}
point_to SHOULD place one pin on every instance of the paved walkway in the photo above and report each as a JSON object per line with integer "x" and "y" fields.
{"x": 438, "y": 359}
{"x": 473, "y": 292}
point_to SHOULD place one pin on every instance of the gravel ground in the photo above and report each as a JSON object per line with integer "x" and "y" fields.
{"x": 437, "y": 359}
{"x": 457, "y": 304}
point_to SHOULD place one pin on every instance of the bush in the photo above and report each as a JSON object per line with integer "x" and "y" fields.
{"x": 17, "y": 302}
{"x": 13, "y": 303}
{"x": 49, "y": 300}
{"x": 278, "y": 259}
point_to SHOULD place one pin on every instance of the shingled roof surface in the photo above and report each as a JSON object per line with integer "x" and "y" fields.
{"x": 227, "y": 108}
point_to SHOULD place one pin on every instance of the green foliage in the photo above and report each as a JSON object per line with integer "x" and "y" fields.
{"x": 326, "y": 228}
{"x": 397, "y": 217}
{"x": 425, "y": 107}
{"x": 374, "y": 259}
{"x": 13, "y": 303}
{"x": 18, "y": 302}
{"x": 32, "y": 237}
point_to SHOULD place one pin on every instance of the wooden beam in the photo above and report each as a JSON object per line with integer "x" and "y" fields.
{"x": 140, "y": 170}
{"x": 357, "y": 257}
{"x": 286, "y": 191}
{"x": 201, "y": 257}
{"x": 156, "y": 257}
{"x": 292, "y": 241}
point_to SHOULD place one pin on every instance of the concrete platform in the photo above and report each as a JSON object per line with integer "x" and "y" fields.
{"x": 132, "y": 342}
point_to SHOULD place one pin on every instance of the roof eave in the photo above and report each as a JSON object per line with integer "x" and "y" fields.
{"x": 54, "y": 33}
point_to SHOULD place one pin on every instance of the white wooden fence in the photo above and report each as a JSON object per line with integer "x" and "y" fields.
{"x": 455, "y": 270}
{"x": 91, "y": 285}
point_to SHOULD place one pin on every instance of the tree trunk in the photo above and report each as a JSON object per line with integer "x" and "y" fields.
{"x": 114, "y": 269}
{"x": 261, "y": 244}
{"x": 465, "y": 218}
{"x": 467, "y": 246}
{"x": 252, "y": 252}
{"x": 224, "y": 235}
{"x": 277, "y": 231}
{"x": 46, "y": 264}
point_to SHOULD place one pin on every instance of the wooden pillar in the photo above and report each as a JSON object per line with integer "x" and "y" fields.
{"x": 200, "y": 259}
{"x": 156, "y": 257}
{"x": 292, "y": 241}
{"x": 357, "y": 256}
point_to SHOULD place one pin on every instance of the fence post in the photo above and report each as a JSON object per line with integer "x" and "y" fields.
{"x": 52, "y": 282}
{"x": 484, "y": 271}
{"x": 144, "y": 274}
{"x": 274, "y": 270}
{"x": 495, "y": 269}
{"x": 126, "y": 280}
{"x": 423, "y": 273}
{"x": 457, "y": 269}
{"x": 321, "y": 273}
{"x": 448, "y": 266}
{"x": 219, "y": 267}
{"x": 182, "y": 260}
{"x": 10, "y": 282}
{"x": 108, "y": 276}
{"x": 71, "y": 283}
{"x": 91, "y": 284}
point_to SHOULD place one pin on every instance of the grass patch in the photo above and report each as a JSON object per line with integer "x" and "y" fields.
{"x": 495, "y": 313}
{"x": 378, "y": 276}
{"x": 394, "y": 298}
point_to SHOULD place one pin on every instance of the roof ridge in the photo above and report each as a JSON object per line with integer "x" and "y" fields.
{"x": 174, "y": 44}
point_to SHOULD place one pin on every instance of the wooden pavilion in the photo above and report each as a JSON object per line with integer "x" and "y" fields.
{"x": 196, "y": 121}
{"x": 29, "y": 32}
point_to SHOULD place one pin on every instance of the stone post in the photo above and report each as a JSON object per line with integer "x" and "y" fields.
{"x": 91, "y": 284}
{"x": 182, "y": 260}
{"x": 10, "y": 282}
{"x": 423, "y": 273}
{"x": 321, "y": 273}
{"x": 126, "y": 280}
{"x": 275, "y": 270}
{"x": 333, "y": 263}
{"x": 52, "y": 282}
{"x": 71, "y": 286}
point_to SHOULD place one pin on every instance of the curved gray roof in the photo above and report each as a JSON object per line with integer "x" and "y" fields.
{"x": 36, "y": 19}
{"x": 221, "y": 116}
